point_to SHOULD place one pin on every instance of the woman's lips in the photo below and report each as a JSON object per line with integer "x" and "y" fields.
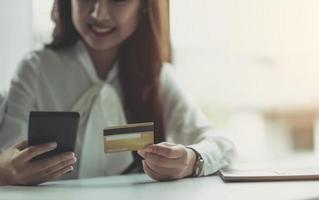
{"x": 102, "y": 31}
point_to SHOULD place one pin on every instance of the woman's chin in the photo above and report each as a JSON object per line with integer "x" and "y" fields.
{"x": 100, "y": 45}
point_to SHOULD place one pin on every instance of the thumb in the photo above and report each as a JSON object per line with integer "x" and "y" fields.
{"x": 21, "y": 145}
{"x": 168, "y": 144}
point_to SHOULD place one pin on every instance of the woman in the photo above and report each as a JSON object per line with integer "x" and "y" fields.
{"x": 106, "y": 61}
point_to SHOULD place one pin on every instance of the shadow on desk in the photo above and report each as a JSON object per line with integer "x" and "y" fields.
{"x": 98, "y": 182}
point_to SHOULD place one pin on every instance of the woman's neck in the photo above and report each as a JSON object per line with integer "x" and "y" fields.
{"x": 103, "y": 61}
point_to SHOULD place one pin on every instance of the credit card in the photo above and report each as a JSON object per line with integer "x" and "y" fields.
{"x": 130, "y": 137}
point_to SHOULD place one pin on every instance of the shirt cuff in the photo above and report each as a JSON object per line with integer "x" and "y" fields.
{"x": 216, "y": 153}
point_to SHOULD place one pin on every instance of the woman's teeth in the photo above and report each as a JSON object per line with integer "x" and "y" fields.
{"x": 102, "y": 30}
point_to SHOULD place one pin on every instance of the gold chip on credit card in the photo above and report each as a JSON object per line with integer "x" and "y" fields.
{"x": 130, "y": 137}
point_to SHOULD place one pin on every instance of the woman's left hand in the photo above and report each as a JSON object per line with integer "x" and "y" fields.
{"x": 167, "y": 161}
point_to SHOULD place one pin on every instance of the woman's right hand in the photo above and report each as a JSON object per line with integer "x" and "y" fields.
{"x": 16, "y": 167}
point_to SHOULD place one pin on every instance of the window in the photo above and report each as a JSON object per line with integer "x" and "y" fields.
{"x": 16, "y": 36}
{"x": 253, "y": 67}
{"x": 42, "y": 25}
{"x": 25, "y": 25}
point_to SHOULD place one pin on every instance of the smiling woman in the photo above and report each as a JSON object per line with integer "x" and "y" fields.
{"x": 108, "y": 61}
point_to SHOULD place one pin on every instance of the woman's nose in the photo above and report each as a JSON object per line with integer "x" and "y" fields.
{"x": 101, "y": 11}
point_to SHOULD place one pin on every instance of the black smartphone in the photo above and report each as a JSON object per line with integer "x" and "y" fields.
{"x": 60, "y": 127}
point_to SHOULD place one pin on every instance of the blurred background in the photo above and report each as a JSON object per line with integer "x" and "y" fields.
{"x": 251, "y": 65}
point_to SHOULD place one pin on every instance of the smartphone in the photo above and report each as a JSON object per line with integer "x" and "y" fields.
{"x": 59, "y": 127}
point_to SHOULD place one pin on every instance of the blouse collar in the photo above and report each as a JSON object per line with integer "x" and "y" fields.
{"x": 84, "y": 57}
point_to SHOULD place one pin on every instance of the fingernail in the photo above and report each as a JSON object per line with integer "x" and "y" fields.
{"x": 147, "y": 147}
{"x": 74, "y": 160}
{"x": 70, "y": 155}
{"x": 141, "y": 153}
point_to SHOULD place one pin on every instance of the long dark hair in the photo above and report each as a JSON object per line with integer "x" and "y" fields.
{"x": 140, "y": 59}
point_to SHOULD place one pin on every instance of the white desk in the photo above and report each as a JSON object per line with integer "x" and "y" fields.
{"x": 141, "y": 187}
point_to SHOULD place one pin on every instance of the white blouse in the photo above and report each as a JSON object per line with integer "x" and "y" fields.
{"x": 66, "y": 80}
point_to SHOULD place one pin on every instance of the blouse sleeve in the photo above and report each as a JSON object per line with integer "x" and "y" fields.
{"x": 20, "y": 100}
{"x": 185, "y": 124}
{"x": 3, "y": 105}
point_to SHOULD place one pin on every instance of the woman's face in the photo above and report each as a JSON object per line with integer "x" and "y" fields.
{"x": 105, "y": 24}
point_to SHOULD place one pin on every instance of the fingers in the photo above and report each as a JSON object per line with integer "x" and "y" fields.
{"x": 21, "y": 145}
{"x": 33, "y": 151}
{"x": 166, "y": 149}
{"x": 160, "y": 160}
{"x": 171, "y": 173}
{"x": 36, "y": 172}
{"x": 57, "y": 174}
{"x": 165, "y": 161}
{"x": 154, "y": 175}
{"x": 49, "y": 177}
{"x": 58, "y": 167}
{"x": 55, "y": 161}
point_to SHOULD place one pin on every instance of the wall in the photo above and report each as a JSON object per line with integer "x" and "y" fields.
{"x": 15, "y": 36}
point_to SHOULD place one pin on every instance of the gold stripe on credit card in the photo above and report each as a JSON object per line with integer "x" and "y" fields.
{"x": 130, "y": 137}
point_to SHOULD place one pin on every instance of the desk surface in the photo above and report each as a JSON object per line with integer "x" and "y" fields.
{"x": 141, "y": 187}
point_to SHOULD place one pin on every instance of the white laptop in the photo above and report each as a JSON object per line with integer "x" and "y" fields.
{"x": 271, "y": 171}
